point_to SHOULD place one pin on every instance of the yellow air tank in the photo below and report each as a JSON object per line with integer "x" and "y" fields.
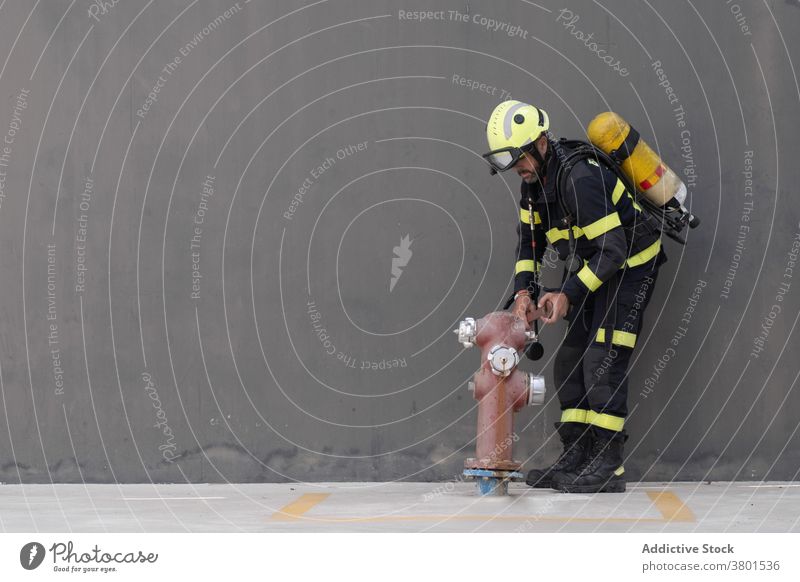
{"x": 652, "y": 177}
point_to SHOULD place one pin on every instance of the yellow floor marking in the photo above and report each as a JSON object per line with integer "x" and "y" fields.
{"x": 670, "y": 506}
{"x": 296, "y": 509}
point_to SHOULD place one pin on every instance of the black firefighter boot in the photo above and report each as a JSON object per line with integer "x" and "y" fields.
{"x": 576, "y": 437}
{"x": 602, "y": 472}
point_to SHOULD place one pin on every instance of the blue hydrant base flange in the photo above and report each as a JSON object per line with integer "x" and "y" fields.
{"x": 492, "y": 482}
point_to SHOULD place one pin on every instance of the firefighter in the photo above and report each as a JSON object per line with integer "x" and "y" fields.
{"x": 612, "y": 259}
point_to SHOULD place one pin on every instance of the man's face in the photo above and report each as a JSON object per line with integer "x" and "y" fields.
{"x": 527, "y": 167}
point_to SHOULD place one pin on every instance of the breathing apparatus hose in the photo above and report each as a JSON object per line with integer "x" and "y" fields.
{"x": 534, "y": 350}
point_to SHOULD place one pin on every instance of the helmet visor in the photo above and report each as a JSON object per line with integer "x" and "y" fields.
{"x": 504, "y": 158}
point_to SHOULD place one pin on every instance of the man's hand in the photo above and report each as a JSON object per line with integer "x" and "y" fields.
{"x": 553, "y": 307}
{"x": 525, "y": 309}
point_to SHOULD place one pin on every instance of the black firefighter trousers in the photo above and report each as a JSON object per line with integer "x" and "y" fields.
{"x": 591, "y": 367}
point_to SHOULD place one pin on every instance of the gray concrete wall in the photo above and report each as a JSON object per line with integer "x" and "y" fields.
{"x": 197, "y": 281}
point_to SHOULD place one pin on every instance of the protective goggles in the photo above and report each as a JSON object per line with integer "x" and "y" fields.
{"x": 505, "y": 158}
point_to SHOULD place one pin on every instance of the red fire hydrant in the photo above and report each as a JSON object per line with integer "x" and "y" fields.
{"x": 501, "y": 390}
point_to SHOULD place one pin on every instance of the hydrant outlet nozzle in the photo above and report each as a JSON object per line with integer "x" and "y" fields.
{"x": 467, "y": 330}
{"x": 503, "y": 360}
{"x": 536, "y": 390}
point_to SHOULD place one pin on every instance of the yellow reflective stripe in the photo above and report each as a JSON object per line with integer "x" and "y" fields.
{"x": 601, "y": 226}
{"x": 623, "y": 338}
{"x": 525, "y": 216}
{"x": 619, "y": 471}
{"x": 619, "y": 190}
{"x": 647, "y": 254}
{"x": 605, "y": 420}
{"x": 523, "y": 266}
{"x": 573, "y": 415}
{"x": 589, "y": 278}
{"x": 635, "y": 204}
{"x": 617, "y": 193}
{"x": 556, "y": 234}
{"x": 620, "y": 338}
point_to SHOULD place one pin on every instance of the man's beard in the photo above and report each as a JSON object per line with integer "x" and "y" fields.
{"x": 531, "y": 178}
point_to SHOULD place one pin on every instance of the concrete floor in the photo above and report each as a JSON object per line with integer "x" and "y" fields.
{"x": 393, "y": 507}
